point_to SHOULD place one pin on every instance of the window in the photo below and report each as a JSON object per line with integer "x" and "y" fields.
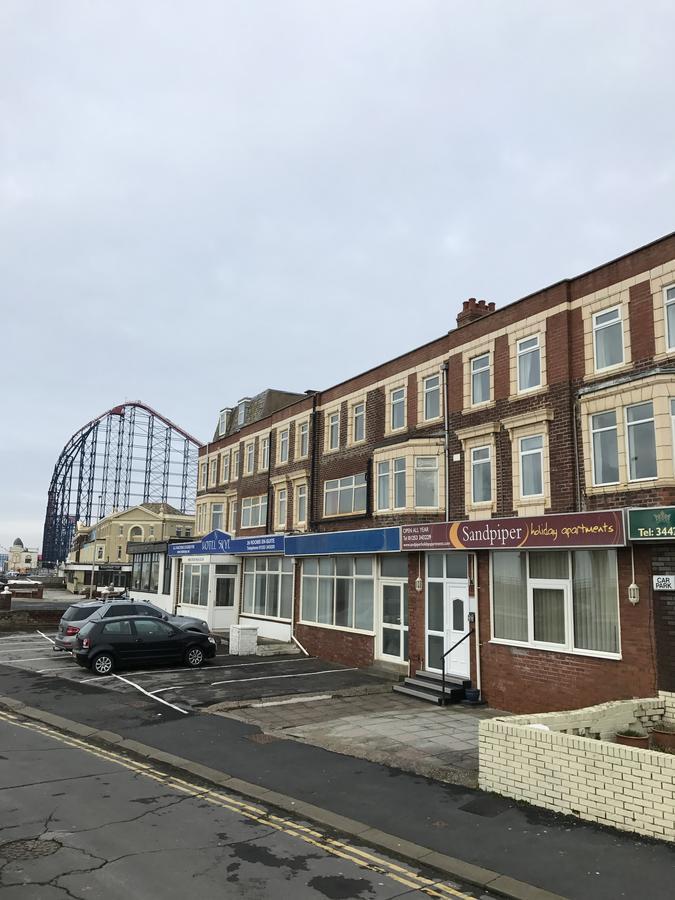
{"x": 250, "y": 458}
{"x": 385, "y": 499}
{"x": 529, "y": 364}
{"x": 145, "y": 573}
{"x": 303, "y": 439}
{"x": 670, "y": 316}
{"x": 481, "y": 475}
{"x": 301, "y": 504}
{"x": 254, "y": 511}
{"x": 283, "y": 446}
{"x": 383, "y": 485}
{"x": 166, "y": 580}
{"x": 213, "y": 476}
{"x": 235, "y": 464}
{"x": 123, "y": 627}
{"x": 282, "y": 507}
{"x": 120, "y": 529}
{"x": 202, "y": 475}
{"x": 201, "y": 518}
{"x": 268, "y": 587}
{"x": 359, "y": 422}
{"x": 480, "y": 379}
{"x": 605, "y": 448}
{"x": 532, "y": 466}
{"x": 242, "y": 409}
{"x": 119, "y": 553}
{"x": 338, "y": 591}
{"x": 264, "y": 454}
{"x": 608, "y": 338}
{"x": 153, "y": 630}
{"x": 152, "y": 531}
{"x": 222, "y": 421}
{"x": 397, "y": 401}
{"x": 343, "y": 496}
{"x": 216, "y": 516}
{"x": 426, "y": 481}
{"x": 432, "y": 397}
{"x": 233, "y": 516}
{"x": 99, "y": 553}
{"x": 641, "y": 441}
{"x": 557, "y": 599}
{"x": 334, "y": 431}
{"x": 225, "y": 467}
{"x": 195, "y": 584}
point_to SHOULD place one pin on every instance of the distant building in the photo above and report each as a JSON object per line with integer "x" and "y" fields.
{"x": 105, "y": 544}
{"x": 22, "y": 559}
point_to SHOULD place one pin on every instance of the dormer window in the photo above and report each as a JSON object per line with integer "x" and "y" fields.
{"x": 223, "y": 421}
{"x": 242, "y": 409}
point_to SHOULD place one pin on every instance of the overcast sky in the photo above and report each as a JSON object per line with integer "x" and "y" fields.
{"x": 202, "y": 199}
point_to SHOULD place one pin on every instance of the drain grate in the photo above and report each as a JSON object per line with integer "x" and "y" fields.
{"x": 27, "y": 848}
{"x": 261, "y": 738}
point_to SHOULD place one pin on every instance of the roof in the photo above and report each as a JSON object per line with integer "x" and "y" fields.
{"x": 259, "y": 407}
{"x": 161, "y": 509}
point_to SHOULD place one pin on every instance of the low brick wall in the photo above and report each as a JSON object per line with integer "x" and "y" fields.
{"x": 573, "y": 768}
{"x": 20, "y": 620}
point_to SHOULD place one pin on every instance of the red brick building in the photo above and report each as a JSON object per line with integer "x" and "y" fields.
{"x": 561, "y": 403}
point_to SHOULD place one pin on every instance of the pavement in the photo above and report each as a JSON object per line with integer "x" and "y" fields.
{"x": 504, "y": 846}
{"x": 440, "y": 743}
{"x": 81, "y": 822}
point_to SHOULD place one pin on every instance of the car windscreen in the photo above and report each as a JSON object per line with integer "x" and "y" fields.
{"x": 76, "y": 613}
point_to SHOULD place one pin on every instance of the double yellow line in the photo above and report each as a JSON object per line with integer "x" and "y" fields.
{"x": 363, "y": 858}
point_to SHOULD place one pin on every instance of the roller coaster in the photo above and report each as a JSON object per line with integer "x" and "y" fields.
{"x": 130, "y": 454}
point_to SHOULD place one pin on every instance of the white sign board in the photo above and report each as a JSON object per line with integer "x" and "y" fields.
{"x": 664, "y": 582}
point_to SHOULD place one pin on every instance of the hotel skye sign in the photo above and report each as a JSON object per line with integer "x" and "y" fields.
{"x": 564, "y": 530}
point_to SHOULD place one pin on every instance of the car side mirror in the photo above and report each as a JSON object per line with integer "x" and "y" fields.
{"x": 165, "y": 617}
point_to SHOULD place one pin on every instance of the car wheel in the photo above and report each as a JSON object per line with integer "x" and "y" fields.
{"x": 102, "y": 664}
{"x": 194, "y": 657}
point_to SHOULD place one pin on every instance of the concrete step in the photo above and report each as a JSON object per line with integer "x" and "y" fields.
{"x": 278, "y": 648}
{"x": 403, "y": 688}
{"x": 436, "y": 677}
{"x": 431, "y": 690}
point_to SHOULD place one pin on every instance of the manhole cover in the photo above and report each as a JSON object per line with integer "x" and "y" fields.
{"x": 27, "y": 848}
{"x": 261, "y": 738}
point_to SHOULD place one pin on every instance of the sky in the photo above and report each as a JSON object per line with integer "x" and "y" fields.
{"x": 200, "y": 199}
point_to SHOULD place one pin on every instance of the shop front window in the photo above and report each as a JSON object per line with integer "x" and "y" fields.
{"x": 195, "y": 589}
{"x": 338, "y": 591}
{"x": 268, "y": 587}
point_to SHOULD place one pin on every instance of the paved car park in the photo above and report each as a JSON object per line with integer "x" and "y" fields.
{"x": 226, "y": 680}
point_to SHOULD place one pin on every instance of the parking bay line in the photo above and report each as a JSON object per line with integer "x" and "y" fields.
{"x": 8, "y": 662}
{"x": 45, "y": 637}
{"x": 273, "y": 677}
{"x": 147, "y": 694}
{"x": 210, "y": 668}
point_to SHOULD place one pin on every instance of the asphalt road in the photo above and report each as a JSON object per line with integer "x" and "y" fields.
{"x": 83, "y": 823}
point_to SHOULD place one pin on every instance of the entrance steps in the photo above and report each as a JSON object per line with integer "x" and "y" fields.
{"x": 427, "y": 686}
{"x": 269, "y": 647}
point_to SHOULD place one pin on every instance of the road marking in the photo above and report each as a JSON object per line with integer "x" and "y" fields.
{"x": 147, "y": 694}
{"x": 273, "y": 677}
{"x": 31, "y": 649}
{"x": 362, "y": 858}
{"x": 54, "y": 668}
{"x": 8, "y": 662}
{"x": 210, "y": 668}
{"x": 45, "y": 636}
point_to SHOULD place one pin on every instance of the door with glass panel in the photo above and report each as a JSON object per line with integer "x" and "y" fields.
{"x": 447, "y": 613}
{"x": 225, "y": 593}
{"x": 394, "y": 627}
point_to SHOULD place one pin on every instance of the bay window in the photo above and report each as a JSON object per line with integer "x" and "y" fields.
{"x": 641, "y": 441}
{"x": 282, "y": 507}
{"x": 301, "y": 504}
{"x": 216, "y": 516}
{"x": 426, "y": 481}
{"x": 391, "y": 484}
{"x": 670, "y": 316}
{"x": 605, "y": 448}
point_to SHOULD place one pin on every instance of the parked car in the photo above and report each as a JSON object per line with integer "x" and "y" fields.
{"x": 106, "y": 644}
{"x": 78, "y": 613}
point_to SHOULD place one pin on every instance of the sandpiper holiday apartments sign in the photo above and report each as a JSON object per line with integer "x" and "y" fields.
{"x": 564, "y": 530}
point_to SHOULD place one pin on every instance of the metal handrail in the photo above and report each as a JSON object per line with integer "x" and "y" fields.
{"x": 447, "y": 653}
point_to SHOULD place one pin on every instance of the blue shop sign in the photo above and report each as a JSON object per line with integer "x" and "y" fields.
{"x": 329, "y": 543}
{"x": 217, "y": 542}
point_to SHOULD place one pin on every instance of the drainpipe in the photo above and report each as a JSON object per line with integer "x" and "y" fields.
{"x": 446, "y": 439}
{"x": 312, "y": 466}
{"x": 476, "y": 626}
{"x": 576, "y": 408}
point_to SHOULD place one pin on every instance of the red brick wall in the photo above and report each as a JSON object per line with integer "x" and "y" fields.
{"x": 522, "y": 680}
{"x": 345, "y": 647}
{"x": 641, "y": 318}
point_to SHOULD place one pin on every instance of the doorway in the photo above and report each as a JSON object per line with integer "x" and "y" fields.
{"x": 224, "y": 596}
{"x": 448, "y": 607}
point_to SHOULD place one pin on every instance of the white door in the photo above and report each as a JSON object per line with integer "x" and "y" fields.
{"x": 457, "y": 662}
{"x": 393, "y": 640}
{"x": 224, "y": 596}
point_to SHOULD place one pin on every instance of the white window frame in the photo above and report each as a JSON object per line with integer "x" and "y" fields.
{"x": 242, "y": 408}
{"x": 264, "y": 461}
{"x": 393, "y": 403}
{"x": 523, "y": 352}
{"x": 258, "y": 567}
{"x": 284, "y": 445}
{"x": 359, "y": 412}
{"x": 354, "y": 578}
{"x": 474, "y": 370}
{"x": 394, "y": 469}
{"x": 599, "y": 328}
{"x": 214, "y": 507}
{"x": 539, "y": 451}
{"x": 300, "y": 489}
{"x": 203, "y": 474}
{"x": 420, "y": 468}
{"x": 235, "y": 465}
{"x": 668, "y": 300}
{"x": 383, "y": 473}
{"x": 254, "y": 504}
{"x": 342, "y": 484}
{"x": 222, "y": 422}
{"x": 333, "y": 431}
{"x": 232, "y": 516}
{"x": 628, "y": 426}
{"x": 213, "y": 472}
{"x": 426, "y": 391}
{"x": 302, "y": 437}
{"x": 250, "y": 457}
{"x": 593, "y": 431}
{"x": 225, "y": 467}
{"x": 475, "y": 462}
{"x": 282, "y": 507}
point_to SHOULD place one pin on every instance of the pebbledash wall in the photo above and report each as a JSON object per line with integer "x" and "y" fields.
{"x": 544, "y": 376}
{"x": 569, "y": 763}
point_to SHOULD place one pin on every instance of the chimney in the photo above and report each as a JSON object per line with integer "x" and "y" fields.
{"x": 473, "y": 309}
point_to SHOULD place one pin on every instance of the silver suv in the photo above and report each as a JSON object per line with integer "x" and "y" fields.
{"x": 93, "y": 610}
